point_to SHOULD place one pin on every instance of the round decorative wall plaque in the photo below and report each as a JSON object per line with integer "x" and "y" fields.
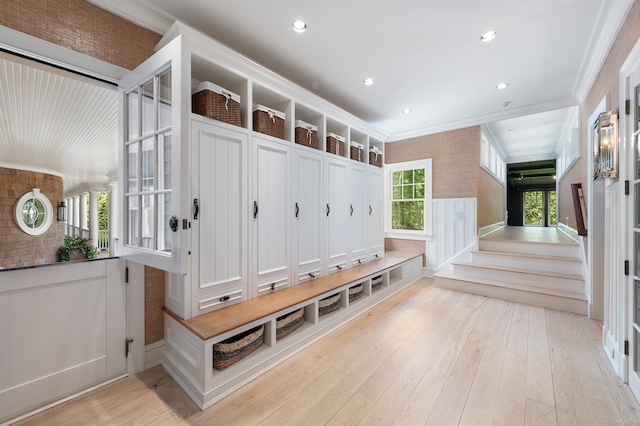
{"x": 34, "y": 213}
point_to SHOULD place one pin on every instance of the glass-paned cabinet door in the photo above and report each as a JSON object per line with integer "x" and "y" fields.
{"x": 152, "y": 220}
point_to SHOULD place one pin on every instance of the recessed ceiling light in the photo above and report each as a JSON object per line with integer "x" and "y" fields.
{"x": 406, "y": 111}
{"x": 299, "y": 26}
{"x": 368, "y": 81}
{"x": 488, "y": 36}
{"x": 501, "y": 86}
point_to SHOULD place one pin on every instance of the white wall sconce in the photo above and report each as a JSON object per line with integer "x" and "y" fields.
{"x": 62, "y": 211}
{"x": 605, "y": 146}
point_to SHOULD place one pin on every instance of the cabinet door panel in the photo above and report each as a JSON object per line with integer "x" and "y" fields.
{"x": 220, "y": 230}
{"x": 357, "y": 213}
{"x": 375, "y": 226}
{"x": 337, "y": 213}
{"x": 271, "y": 210}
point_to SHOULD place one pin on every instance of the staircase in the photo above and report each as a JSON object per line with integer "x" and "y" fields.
{"x": 535, "y": 273}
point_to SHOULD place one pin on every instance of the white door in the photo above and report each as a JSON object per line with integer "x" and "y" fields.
{"x": 633, "y": 130}
{"x": 155, "y": 205}
{"x": 219, "y": 217}
{"x": 358, "y": 194}
{"x": 308, "y": 214}
{"x": 336, "y": 214}
{"x": 271, "y": 215}
{"x": 375, "y": 226}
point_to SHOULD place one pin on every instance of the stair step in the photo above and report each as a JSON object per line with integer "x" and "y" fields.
{"x": 568, "y": 301}
{"x": 528, "y": 247}
{"x": 521, "y": 276}
{"x": 560, "y": 264}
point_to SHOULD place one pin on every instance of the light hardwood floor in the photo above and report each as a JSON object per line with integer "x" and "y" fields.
{"x": 425, "y": 356}
{"x": 532, "y": 234}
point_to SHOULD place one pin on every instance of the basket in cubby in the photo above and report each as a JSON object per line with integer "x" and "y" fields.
{"x": 355, "y": 292}
{"x": 306, "y": 134}
{"x": 233, "y": 349}
{"x": 287, "y": 324}
{"x": 213, "y": 101}
{"x": 329, "y": 304}
{"x": 335, "y": 144}
{"x": 375, "y": 156}
{"x": 376, "y": 282}
{"x": 357, "y": 151}
{"x": 268, "y": 121}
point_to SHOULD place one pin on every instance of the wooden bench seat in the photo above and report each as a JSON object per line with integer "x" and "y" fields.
{"x": 211, "y": 324}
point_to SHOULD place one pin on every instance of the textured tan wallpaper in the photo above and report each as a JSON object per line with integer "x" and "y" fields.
{"x": 153, "y": 302}
{"x": 456, "y": 158}
{"x": 606, "y": 84}
{"x": 407, "y": 245}
{"x": 81, "y": 26}
{"x": 491, "y": 199}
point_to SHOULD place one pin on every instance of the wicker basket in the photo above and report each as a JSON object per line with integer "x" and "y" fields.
{"x": 376, "y": 282}
{"x": 335, "y": 144}
{"x": 355, "y": 292}
{"x": 217, "y": 103}
{"x": 288, "y": 323}
{"x": 357, "y": 151}
{"x": 235, "y": 348}
{"x": 329, "y": 304}
{"x": 375, "y": 156}
{"x": 306, "y": 134}
{"x": 268, "y": 121}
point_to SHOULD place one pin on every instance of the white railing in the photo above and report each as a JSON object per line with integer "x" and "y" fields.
{"x": 103, "y": 240}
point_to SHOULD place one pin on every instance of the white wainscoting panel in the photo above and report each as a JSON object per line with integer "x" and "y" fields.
{"x": 454, "y": 229}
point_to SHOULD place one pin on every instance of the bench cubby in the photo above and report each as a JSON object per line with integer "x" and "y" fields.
{"x": 189, "y": 347}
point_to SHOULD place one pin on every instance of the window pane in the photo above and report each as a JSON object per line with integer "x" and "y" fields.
{"x": 397, "y": 178}
{"x": 148, "y": 216}
{"x": 132, "y": 114}
{"x": 419, "y": 190}
{"x": 164, "y": 161}
{"x": 419, "y": 175}
{"x": 164, "y": 213}
{"x": 164, "y": 100}
{"x": 132, "y": 164}
{"x": 408, "y": 176}
{"x": 147, "y": 108}
{"x": 637, "y": 254}
{"x": 636, "y": 304}
{"x": 397, "y": 192}
{"x": 552, "y": 208}
{"x": 147, "y": 164}
{"x": 533, "y": 212}
{"x": 408, "y": 215}
{"x": 132, "y": 235}
{"x": 407, "y": 192}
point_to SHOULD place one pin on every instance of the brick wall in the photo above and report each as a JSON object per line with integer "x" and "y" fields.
{"x": 16, "y": 247}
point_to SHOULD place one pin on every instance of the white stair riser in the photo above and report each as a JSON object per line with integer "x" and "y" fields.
{"x": 514, "y": 277}
{"x": 530, "y": 248}
{"x": 550, "y": 265}
{"x": 515, "y": 295}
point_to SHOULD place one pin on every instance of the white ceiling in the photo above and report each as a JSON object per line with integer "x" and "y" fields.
{"x": 423, "y": 55}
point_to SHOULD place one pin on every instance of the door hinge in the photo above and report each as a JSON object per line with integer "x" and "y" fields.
{"x": 627, "y": 107}
{"x": 626, "y": 267}
{"x": 127, "y": 347}
{"x": 626, "y": 347}
{"x": 626, "y": 187}
{"x": 126, "y": 274}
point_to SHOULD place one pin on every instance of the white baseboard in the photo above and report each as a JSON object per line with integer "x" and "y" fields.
{"x": 153, "y": 354}
{"x": 490, "y": 229}
{"x": 619, "y": 361}
{"x": 569, "y": 232}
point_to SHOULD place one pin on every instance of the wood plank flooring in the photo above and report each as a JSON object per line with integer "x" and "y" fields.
{"x": 426, "y": 356}
{"x": 534, "y": 234}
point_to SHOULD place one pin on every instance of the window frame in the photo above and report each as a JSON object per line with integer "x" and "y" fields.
{"x": 389, "y": 169}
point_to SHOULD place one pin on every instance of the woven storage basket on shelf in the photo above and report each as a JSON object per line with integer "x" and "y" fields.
{"x": 306, "y": 134}
{"x": 288, "y": 323}
{"x": 376, "y": 282}
{"x": 355, "y": 292}
{"x": 235, "y": 348}
{"x": 268, "y": 121}
{"x": 357, "y": 151}
{"x": 217, "y": 103}
{"x": 375, "y": 156}
{"x": 335, "y": 144}
{"x": 329, "y": 304}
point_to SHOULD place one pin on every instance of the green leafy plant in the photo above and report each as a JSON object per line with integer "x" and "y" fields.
{"x": 79, "y": 244}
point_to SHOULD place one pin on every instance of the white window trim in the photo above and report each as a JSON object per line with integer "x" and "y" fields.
{"x": 492, "y": 159}
{"x": 427, "y": 233}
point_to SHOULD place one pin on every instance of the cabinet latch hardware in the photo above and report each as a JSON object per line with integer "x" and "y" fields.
{"x": 626, "y": 267}
{"x": 328, "y": 210}
{"x": 126, "y": 274}
{"x": 360, "y": 261}
{"x": 255, "y": 209}
{"x": 225, "y": 298}
{"x": 196, "y": 209}
{"x": 127, "y": 347}
{"x": 297, "y": 210}
{"x": 273, "y": 286}
{"x": 311, "y": 275}
{"x": 626, "y": 347}
{"x": 351, "y": 205}
{"x": 626, "y": 187}
{"x": 377, "y": 256}
{"x": 339, "y": 267}
{"x": 370, "y": 209}
{"x": 185, "y": 224}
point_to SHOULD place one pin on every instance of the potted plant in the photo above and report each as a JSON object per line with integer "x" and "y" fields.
{"x": 76, "y": 247}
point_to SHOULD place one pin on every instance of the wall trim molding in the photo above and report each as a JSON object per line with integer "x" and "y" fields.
{"x": 490, "y": 229}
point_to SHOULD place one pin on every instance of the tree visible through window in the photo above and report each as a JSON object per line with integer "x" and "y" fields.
{"x": 536, "y": 205}
{"x": 407, "y": 203}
